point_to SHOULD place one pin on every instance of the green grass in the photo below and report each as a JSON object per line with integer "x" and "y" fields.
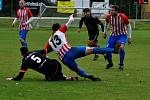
{"x": 131, "y": 84}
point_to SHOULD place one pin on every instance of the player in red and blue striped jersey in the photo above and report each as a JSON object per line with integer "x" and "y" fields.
{"x": 24, "y": 16}
{"x": 68, "y": 54}
{"x": 120, "y": 30}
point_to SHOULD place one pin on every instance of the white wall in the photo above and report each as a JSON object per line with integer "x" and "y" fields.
{"x": 80, "y": 4}
{"x": 102, "y": 8}
{"x": 86, "y": 4}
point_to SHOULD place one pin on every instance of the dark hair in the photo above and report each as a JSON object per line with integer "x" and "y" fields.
{"x": 55, "y": 26}
{"x": 116, "y": 7}
{"x": 23, "y": 50}
{"x": 86, "y": 10}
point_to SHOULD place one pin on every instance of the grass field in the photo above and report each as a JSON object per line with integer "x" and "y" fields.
{"x": 131, "y": 84}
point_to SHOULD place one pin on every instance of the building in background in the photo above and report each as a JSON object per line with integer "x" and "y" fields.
{"x": 127, "y": 6}
{"x": 145, "y": 11}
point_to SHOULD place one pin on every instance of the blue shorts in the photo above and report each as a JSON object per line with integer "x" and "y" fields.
{"x": 72, "y": 54}
{"x": 23, "y": 34}
{"x": 76, "y": 52}
{"x": 113, "y": 40}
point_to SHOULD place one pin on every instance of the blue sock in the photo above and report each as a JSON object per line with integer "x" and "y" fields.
{"x": 102, "y": 50}
{"x": 24, "y": 44}
{"x": 109, "y": 58}
{"x": 82, "y": 73}
{"x": 122, "y": 55}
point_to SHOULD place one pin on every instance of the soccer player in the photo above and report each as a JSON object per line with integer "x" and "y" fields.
{"x": 67, "y": 53}
{"x": 120, "y": 30}
{"x": 91, "y": 24}
{"x": 37, "y": 61}
{"x": 24, "y": 16}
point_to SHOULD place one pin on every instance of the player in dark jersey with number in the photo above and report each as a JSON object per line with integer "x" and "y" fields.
{"x": 37, "y": 60}
{"x": 91, "y": 24}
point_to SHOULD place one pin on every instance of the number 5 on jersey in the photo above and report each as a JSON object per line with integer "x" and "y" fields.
{"x": 37, "y": 59}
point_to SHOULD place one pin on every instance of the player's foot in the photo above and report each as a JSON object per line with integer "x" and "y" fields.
{"x": 116, "y": 49}
{"x": 70, "y": 78}
{"x": 95, "y": 57}
{"x": 109, "y": 66}
{"x": 121, "y": 66}
{"x": 93, "y": 78}
{"x": 74, "y": 78}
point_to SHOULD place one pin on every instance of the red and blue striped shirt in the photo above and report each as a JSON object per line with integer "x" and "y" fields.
{"x": 23, "y": 15}
{"x": 117, "y": 24}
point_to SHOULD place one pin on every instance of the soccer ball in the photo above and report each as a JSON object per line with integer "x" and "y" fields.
{"x": 90, "y": 43}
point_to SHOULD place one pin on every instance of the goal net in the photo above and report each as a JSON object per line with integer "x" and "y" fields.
{"x": 49, "y": 15}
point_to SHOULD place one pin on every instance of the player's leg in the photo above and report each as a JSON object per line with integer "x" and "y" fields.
{"x": 22, "y": 37}
{"x": 53, "y": 70}
{"x": 93, "y": 42}
{"x": 111, "y": 44}
{"x": 69, "y": 60}
{"x": 122, "y": 41}
{"x": 81, "y": 51}
{"x": 96, "y": 55}
{"x": 73, "y": 66}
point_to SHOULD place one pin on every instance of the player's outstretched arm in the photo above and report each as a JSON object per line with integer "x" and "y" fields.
{"x": 13, "y": 23}
{"x": 71, "y": 19}
{"x": 105, "y": 30}
{"x": 18, "y": 77}
{"x": 80, "y": 25}
{"x": 29, "y": 21}
{"x": 129, "y": 31}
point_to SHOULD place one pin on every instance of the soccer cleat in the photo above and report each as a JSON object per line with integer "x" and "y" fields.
{"x": 93, "y": 78}
{"x": 116, "y": 49}
{"x": 109, "y": 66}
{"x": 70, "y": 78}
{"x": 95, "y": 57}
{"x": 74, "y": 78}
{"x": 121, "y": 66}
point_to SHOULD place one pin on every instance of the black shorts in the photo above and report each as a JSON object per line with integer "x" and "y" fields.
{"x": 93, "y": 36}
{"x": 54, "y": 70}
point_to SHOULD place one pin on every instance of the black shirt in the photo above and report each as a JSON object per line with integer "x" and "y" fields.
{"x": 91, "y": 24}
{"x": 37, "y": 60}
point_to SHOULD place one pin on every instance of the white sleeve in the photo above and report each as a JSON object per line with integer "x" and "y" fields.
{"x": 129, "y": 30}
{"x": 15, "y": 20}
{"x": 106, "y": 28}
{"x": 71, "y": 19}
{"x": 30, "y": 20}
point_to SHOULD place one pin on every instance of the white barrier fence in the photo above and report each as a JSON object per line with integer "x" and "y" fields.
{"x": 39, "y": 22}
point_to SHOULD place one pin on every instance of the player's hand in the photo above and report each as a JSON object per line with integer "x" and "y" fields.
{"x": 71, "y": 18}
{"x": 78, "y": 30}
{"x": 104, "y": 35}
{"x": 9, "y": 78}
{"x": 129, "y": 41}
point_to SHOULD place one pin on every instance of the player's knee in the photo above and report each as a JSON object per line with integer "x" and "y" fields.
{"x": 121, "y": 46}
{"x": 89, "y": 50}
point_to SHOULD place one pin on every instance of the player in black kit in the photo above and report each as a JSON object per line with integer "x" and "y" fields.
{"x": 91, "y": 24}
{"x": 37, "y": 60}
